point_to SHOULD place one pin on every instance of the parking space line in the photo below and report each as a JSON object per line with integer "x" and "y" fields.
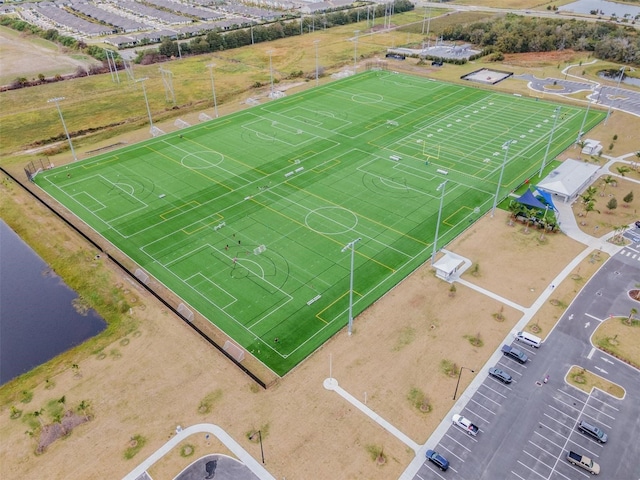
{"x": 547, "y": 439}
{"x": 572, "y": 407}
{"x": 575, "y": 469}
{"x": 522, "y": 478}
{"x": 561, "y": 412}
{"x": 558, "y": 421}
{"x": 605, "y": 404}
{"x": 506, "y": 367}
{"x": 451, "y": 452}
{"x": 564, "y": 476}
{"x": 503, "y": 396}
{"x": 529, "y": 350}
{"x": 501, "y": 383}
{"x": 467, "y": 449}
{"x": 590, "y": 453}
{"x": 433, "y": 470}
{"x": 536, "y": 459}
{"x": 600, "y": 411}
{"x": 575, "y": 398}
{"x": 475, "y": 414}
{"x": 545, "y": 451}
{"x": 480, "y": 405}
{"x": 529, "y": 468}
{"x": 478, "y": 392}
{"x": 597, "y": 420}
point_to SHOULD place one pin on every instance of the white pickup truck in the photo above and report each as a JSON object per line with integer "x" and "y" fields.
{"x": 584, "y": 462}
{"x": 465, "y": 424}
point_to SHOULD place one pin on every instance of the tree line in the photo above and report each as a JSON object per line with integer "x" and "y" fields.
{"x": 518, "y": 34}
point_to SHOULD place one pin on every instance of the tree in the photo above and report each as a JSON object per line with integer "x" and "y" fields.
{"x": 589, "y": 207}
{"x": 589, "y": 194}
{"x": 633, "y": 312}
{"x": 83, "y": 408}
{"x": 623, "y": 170}
{"x": 612, "y": 204}
{"x": 627, "y": 199}
{"x": 608, "y": 180}
{"x": 38, "y": 414}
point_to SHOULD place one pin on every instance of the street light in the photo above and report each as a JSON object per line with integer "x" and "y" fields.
{"x": 435, "y": 240}
{"x": 505, "y": 146}
{"x": 270, "y": 52}
{"x": 146, "y": 100}
{"x": 213, "y": 88}
{"x": 352, "y": 246}
{"x": 459, "y": 375}
{"x": 581, "y": 131}
{"x": 355, "y": 50}
{"x": 251, "y": 437}
{"x": 617, "y": 86}
{"x": 57, "y": 101}
{"x": 316, "y": 44}
{"x": 553, "y": 129}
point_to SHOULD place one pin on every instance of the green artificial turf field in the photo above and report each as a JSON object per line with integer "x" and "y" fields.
{"x": 246, "y": 217}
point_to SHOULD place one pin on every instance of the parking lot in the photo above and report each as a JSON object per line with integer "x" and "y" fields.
{"x": 527, "y": 427}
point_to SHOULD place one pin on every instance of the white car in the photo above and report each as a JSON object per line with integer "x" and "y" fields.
{"x": 465, "y": 424}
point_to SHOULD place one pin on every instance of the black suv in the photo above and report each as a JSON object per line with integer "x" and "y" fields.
{"x": 593, "y": 431}
{"x": 514, "y": 353}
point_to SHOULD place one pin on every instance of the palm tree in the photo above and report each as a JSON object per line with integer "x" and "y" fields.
{"x": 38, "y": 414}
{"x": 589, "y": 194}
{"x": 589, "y": 207}
{"x": 631, "y": 314}
{"x": 83, "y": 408}
{"x": 623, "y": 170}
{"x": 608, "y": 180}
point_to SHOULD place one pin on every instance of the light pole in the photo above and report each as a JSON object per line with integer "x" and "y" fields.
{"x": 556, "y": 114}
{"x": 213, "y": 88}
{"x": 352, "y": 246}
{"x": 316, "y": 42}
{"x": 617, "y": 86}
{"x": 459, "y": 375}
{"x": 146, "y": 100}
{"x": 442, "y": 187}
{"x": 252, "y": 436}
{"x": 355, "y": 50}
{"x": 57, "y": 101}
{"x": 270, "y": 52}
{"x": 580, "y": 133}
{"x": 506, "y": 146}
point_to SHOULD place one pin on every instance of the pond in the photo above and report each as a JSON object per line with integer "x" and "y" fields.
{"x": 37, "y": 318}
{"x": 605, "y": 8}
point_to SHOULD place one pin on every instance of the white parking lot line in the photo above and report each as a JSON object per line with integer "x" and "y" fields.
{"x": 600, "y": 411}
{"x": 522, "y": 478}
{"x": 475, "y": 414}
{"x": 605, "y": 404}
{"x": 451, "y": 452}
{"x": 507, "y": 367}
{"x": 563, "y": 413}
{"x": 480, "y": 405}
{"x": 563, "y": 476}
{"x": 502, "y": 383}
{"x": 538, "y": 461}
{"x": 574, "y": 469}
{"x": 597, "y": 420}
{"x": 589, "y": 453}
{"x": 558, "y": 421}
{"x": 528, "y": 468}
{"x": 544, "y": 450}
{"x": 571, "y": 406}
{"x": 455, "y": 441}
{"x": 547, "y": 438}
{"x": 487, "y": 386}
{"x": 575, "y": 398}
{"x": 478, "y": 392}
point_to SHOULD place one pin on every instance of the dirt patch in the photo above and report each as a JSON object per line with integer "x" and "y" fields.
{"x": 539, "y": 59}
{"x": 52, "y": 432}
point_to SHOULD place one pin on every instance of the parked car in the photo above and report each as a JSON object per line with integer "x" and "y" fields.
{"x": 593, "y": 431}
{"x": 437, "y": 459}
{"x": 514, "y": 353}
{"x": 500, "y": 375}
{"x": 529, "y": 339}
{"x": 584, "y": 462}
{"x": 465, "y": 424}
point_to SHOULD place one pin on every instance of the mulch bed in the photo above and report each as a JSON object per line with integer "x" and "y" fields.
{"x": 50, "y": 433}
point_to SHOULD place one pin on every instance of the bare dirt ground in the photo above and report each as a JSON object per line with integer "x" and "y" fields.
{"x": 155, "y": 378}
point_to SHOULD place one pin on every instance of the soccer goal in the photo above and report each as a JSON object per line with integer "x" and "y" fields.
{"x": 234, "y": 350}
{"x": 181, "y": 123}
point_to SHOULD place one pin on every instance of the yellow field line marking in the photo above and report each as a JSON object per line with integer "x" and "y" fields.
{"x": 319, "y": 314}
{"x": 162, "y": 215}
{"x": 445, "y": 221}
{"x": 358, "y": 252}
{"x": 402, "y": 234}
{"x": 208, "y": 224}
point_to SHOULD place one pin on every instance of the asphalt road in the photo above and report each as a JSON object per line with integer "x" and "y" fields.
{"x": 527, "y": 427}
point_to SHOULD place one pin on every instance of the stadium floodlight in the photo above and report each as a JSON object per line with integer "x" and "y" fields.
{"x": 442, "y": 188}
{"x": 270, "y": 52}
{"x": 556, "y": 114}
{"x": 316, "y": 42}
{"x": 355, "y": 50}
{"x": 351, "y": 245}
{"x": 617, "y": 86}
{"x": 506, "y": 146}
{"x": 57, "y": 101}
{"x": 146, "y": 100}
{"x": 213, "y": 88}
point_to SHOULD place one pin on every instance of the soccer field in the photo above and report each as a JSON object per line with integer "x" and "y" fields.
{"x": 245, "y": 217}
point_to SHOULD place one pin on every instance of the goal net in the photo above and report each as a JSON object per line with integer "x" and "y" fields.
{"x": 185, "y": 312}
{"x": 234, "y": 350}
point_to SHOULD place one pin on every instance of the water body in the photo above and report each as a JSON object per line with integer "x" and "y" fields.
{"x": 607, "y": 8}
{"x": 37, "y": 317}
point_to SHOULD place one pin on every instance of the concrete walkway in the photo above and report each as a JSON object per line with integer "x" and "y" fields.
{"x": 569, "y": 226}
{"x": 207, "y": 428}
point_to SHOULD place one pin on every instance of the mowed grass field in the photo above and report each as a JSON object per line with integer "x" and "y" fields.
{"x": 246, "y": 217}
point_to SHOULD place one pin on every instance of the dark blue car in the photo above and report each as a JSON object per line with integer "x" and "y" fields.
{"x": 441, "y": 462}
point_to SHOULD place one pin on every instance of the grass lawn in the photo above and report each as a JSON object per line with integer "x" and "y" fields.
{"x": 244, "y": 217}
